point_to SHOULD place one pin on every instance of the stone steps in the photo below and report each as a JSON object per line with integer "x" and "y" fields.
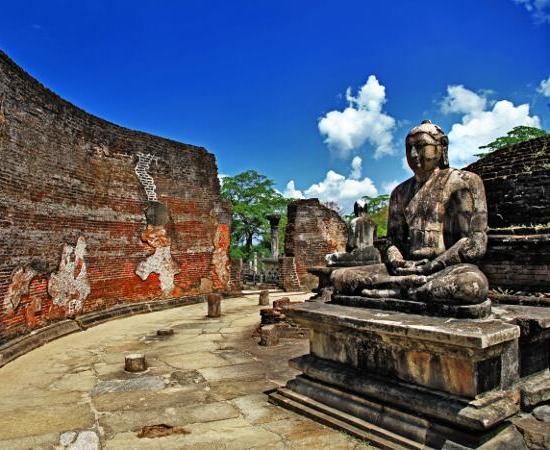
{"x": 341, "y": 421}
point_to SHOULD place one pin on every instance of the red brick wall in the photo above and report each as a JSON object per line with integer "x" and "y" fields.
{"x": 312, "y": 232}
{"x": 65, "y": 175}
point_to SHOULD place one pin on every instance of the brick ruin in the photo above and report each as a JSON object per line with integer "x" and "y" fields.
{"x": 312, "y": 231}
{"x": 93, "y": 215}
{"x": 517, "y": 185}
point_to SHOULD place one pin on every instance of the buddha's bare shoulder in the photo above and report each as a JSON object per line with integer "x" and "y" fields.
{"x": 463, "y": 179}
{"x": 402, "y": 188}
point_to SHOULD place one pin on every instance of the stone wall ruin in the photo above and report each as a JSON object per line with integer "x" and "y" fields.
{"x": 517, "y": 185}
{"x": 312, "y": 232}
{"x": 93, "y": 215}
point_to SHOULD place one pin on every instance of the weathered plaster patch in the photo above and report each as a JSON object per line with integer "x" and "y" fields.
{"x": 160, "y": 262}
{"x": 206, "y": 285}
{"x": 220, "y": 260}
{"x": 69, "y": 286}
{"x": 19, "y": 286}
{"x": 146, "y": 180}
{"x": 156, "y": 236}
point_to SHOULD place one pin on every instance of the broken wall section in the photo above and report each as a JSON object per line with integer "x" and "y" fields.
{"x": 312, "y": 232}
{"x": 93, "y": 215}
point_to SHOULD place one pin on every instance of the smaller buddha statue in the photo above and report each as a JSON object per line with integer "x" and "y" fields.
{"x": 360, "y": 246}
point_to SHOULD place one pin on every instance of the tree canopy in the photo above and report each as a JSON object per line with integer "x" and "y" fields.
{"x": 253, "y": 198}
{"x": 514, "y": 136}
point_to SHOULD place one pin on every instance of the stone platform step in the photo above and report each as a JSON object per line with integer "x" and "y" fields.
{"x": 342, "y": 421}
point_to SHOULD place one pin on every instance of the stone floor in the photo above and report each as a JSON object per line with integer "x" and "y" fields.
{"x": 207, "y": 381}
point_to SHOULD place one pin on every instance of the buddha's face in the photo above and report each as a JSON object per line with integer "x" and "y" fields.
{"x": 423, "y": 153}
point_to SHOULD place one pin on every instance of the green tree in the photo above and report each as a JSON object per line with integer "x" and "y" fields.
{"x": 376, "y": 204}
{"x": 253, "y": 198}
{"x": 514, "y": 136}
{"x": 378, "y": 208}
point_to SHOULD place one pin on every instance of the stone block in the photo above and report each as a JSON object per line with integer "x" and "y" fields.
{"x": 281, "y": 303}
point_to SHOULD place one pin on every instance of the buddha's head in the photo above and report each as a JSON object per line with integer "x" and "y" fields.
{"x": 427, "y": 148}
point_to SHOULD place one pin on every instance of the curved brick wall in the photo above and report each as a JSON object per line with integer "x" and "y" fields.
{"x": 93, "y": 215}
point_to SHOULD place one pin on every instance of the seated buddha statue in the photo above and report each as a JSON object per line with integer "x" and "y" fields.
{"x": 436, "y": 231}
{"x": 360, "y": 246}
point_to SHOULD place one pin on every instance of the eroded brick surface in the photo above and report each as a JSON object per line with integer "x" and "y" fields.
{"x": 517, "y": 182}
{"x": 517, "y": 185}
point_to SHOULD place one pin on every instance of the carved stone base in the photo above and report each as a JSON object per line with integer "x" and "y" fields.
{"x": 406, "y": 381}
{"x": 479, "y": 311}
{"x": 393, "y": 426}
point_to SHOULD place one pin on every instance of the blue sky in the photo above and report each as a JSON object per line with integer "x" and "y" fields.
{"x": 262, "y": 84}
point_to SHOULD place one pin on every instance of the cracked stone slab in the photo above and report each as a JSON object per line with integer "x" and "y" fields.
{"x": 146, "y": 383}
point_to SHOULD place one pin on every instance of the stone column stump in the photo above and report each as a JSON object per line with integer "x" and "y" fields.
{"x": 214, "y": 305}
{"x": 165, "y": 332}
{"x": 269, "y": 336}
{"x": 135, "y": 362}
{"x": 264, "y": 298}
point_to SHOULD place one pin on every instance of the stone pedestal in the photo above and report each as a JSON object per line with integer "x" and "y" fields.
{"x": 404, "y": 380}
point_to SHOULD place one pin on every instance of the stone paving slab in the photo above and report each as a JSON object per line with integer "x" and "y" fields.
{"x": 209, "y": 378}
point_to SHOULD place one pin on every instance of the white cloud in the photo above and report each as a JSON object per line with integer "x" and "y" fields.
{"x": 356, "y": 168}
{"x": 539, "y": 9}
{"x": 389, "y": 186}
{"x": 462, "y": 100}
{"x": 291, "y": 191}
{"x": 336, "y": 188}
{"x": 480, "y": 125}
{"x": 221, "y": 176}
{"x": 362, "y": 121}
{"x": 544, "y": 87}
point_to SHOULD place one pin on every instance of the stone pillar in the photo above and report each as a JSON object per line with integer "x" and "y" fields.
{"x": 274, "y": 222}
{"x": 264, "y": 298}
{"x": 214, "y": 305}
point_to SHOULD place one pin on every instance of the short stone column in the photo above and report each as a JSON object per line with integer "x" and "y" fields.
{"x": 264, "y": 298}
{"x": 214, "y": 305}
{"x": 135, "y": 362}
{"x": 269, "y": 335}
